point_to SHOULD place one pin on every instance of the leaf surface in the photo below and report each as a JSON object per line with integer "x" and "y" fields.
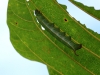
{"x": 36, "y": 44}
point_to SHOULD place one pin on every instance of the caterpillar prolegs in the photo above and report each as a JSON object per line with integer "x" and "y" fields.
{"x": 55, "y": 32}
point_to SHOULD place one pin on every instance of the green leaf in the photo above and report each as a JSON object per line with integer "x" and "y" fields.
{"x": 89, "y": 10}
{"x": 36, "y": 44}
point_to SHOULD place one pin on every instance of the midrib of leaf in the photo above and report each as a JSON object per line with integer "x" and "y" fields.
{"x": 44, "y": 35}
{"x": 56, "y": 45}
{"x": 93, "y": 15}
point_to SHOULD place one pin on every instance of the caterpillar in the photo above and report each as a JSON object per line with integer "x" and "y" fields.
{"x": 55, "y": 32}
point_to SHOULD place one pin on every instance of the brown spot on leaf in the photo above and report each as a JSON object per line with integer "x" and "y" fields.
{"x": 16, "y": 22}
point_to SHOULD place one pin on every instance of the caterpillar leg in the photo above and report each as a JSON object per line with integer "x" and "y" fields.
{"x": 75, "y": 53}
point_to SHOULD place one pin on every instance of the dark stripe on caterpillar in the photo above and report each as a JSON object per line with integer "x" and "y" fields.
{"x": 55, "y": 32}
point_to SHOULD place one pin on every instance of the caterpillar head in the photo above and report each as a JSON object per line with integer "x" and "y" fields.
{"x": 37, "y": 12}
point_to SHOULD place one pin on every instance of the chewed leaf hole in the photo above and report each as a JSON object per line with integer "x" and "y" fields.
{"x": 42, "y": 27}
{"x": 65, "y": 19}
{"x": 27, "y": 0}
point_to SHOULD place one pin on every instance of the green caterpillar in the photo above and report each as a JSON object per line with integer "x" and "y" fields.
{"x": 55, "y": 32}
